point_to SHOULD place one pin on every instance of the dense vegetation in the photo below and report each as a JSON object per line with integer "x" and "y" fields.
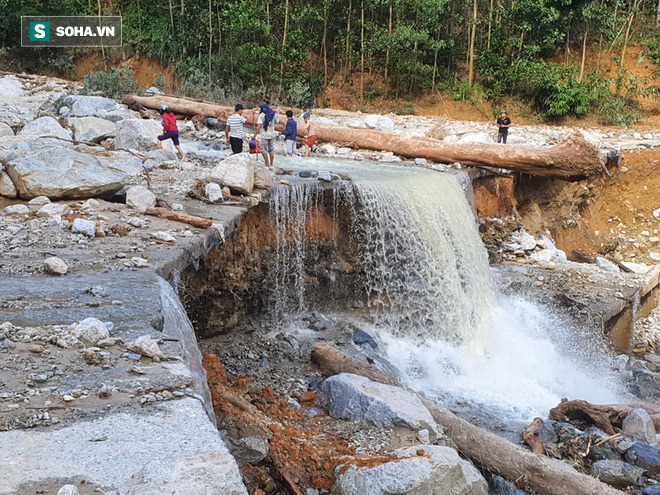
{"x": 293, "y": 49}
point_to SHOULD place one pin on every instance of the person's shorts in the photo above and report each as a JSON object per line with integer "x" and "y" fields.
{"x": 311, "y": 140}
{"x": 268, "y": 146}
{"x": 173, "y": 135}
{"x": 236, "y": 144}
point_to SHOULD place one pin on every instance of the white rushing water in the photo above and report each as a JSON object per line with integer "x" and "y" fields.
{"x": 432, "y": 298}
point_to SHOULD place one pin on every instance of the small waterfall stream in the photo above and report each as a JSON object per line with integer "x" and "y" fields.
{"x": 431, "y": 296}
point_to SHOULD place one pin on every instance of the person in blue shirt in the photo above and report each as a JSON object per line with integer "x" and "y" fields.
{"x": 290, "y": 134}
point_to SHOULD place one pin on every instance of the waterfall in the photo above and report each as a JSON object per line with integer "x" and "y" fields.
{"x": 426, "y": 271}
{"x": 431, "y": 296}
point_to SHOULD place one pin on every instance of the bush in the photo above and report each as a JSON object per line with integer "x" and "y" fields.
{"x": 112, "y": 83}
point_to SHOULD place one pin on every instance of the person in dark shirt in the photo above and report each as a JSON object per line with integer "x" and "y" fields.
{"x": 290, "y": 134}
{"x": 503, "y": 124}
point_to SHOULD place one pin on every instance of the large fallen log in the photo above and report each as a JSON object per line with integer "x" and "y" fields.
{"x": 604, "y": 416}
{"x": 574, "y": 157}
{"x": 529, "y": 471}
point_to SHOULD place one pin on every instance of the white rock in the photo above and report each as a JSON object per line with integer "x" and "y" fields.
{"x": 389, "y": 157}
{"x": 146, "y": 346}
{"x": 164, "y": 236}
{"x": 55, "y": 266}
{"x": 437, "y": 471}
{"x": 421, "y": 161}
{"x": 139, "y": 134}
{"x": 139, "y": 262}
{"x": 45, "y": 127}
{"x": 140, "y": 198}
{"x": 177, "y": 206}
{"x": 380, "y": 122}
{"x": 15, "y": 210}
{"x": 91, "y": 331}
{"x": 155, "y": 91}
{"x": 324, "y": 176}
{"x": 526, "y": 241}
{"x": 137, "y": 222}
{"x": 11, "y": 86}
{"x": 97, "y": 106}
{"x": 6, "y": 130}
{"x": 236, "y": 172}
{"x": 92, "y": 129}
{"x": 544, "y": 256}
{"x": 62, "y": 172}
{"x": 68, "y": 490}
{"x": 327, "y": 149}
{"x": 344, "y": 151}
{"x": 476, "y": 137}
{"x": 264, "y": 177}
{"x": 606, "y": 265}
{"x": 7, "y": 187}
{"x": 637, "y": 135}
{"x": 39, "y": 200}
{"x": 53, "y": 209}
{"x": 213, "y": 192}
{"x": 655, "y": 256}
{"x": 83, "y": 226}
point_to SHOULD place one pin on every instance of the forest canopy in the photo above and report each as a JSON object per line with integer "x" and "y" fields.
{"x": 294, "y": 49}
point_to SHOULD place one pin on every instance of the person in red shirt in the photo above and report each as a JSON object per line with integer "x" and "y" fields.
{"x": 170, "y": 130}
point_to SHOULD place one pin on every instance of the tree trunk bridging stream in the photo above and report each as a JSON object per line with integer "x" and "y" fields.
{"x": 573, "y": 158}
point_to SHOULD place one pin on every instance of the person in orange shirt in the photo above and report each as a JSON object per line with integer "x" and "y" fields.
{"x": 170, "y": 130}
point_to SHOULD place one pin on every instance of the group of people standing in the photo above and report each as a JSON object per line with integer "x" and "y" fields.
{"x": 267, "y": 133}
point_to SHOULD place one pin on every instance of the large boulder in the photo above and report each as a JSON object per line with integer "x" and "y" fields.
{"x": 45, "y": 127}
{"x": 138, "y": 134}
{"x": 359, "y": 399}
{"x": 62, "y": 172}
{"x": 7, "y": 187}
{"x": 92, "y": 129}
{"x": 639, "y": 425}
{"x": 235, "y": 172}
{"x": 426, "y": 470}
{"x": 97, "y": 106}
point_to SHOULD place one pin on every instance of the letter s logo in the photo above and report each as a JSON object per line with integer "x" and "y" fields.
{"x": 39, "y": 31}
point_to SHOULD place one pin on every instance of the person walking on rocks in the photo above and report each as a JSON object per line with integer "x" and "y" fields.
{"x": 266, "y": 126}
{"x": 310, "y": 134}
{"x": 234, "y": 130}
{"x": 290, "y": 134}
{"x": 503, "y": 124}
{"x": 170, "y": 130}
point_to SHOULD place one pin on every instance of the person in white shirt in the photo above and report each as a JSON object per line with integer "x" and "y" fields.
{"x": 234, "y": 130}
{"x": 266, "y": 126}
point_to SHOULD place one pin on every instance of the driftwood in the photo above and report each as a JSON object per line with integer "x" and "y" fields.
{"x": 175, "y": 216}
{"x": 529, "y": 471}
{"x": 531, "y": 437}
{"x": 572, "y": 158}
{"x": 332, "y": 362}
{"x": 605, "y": 417}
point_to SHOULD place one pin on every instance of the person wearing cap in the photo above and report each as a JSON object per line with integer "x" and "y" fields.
{"x": 503, "y": 124}
{"x": 234, "y": 130}
{"x": 266, "y": 126}
{"x": 170, "y": 130}
{"x": 310, "y": 133}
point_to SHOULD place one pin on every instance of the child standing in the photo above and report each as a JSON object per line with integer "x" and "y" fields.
{"x": 310, "y": 134}
{"x": 290, "y": 134}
